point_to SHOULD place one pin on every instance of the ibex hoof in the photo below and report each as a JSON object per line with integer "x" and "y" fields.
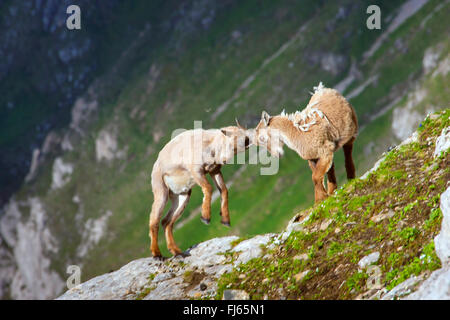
{"x": 205, "y": 221}
{"x": 159, "y": 258}
{"x": 226, "y": 223}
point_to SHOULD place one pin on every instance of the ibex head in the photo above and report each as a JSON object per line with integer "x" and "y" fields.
{"x": 242, "y": 137}
{"x": 268, "y": 137}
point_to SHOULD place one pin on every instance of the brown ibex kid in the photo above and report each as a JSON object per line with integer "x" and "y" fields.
{"x": 328, "y": 123}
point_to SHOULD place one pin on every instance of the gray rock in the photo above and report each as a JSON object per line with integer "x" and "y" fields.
{"x": 218, "y": 270}
{"x": 82, "y": 111}
{"x": 34, "y": 278}
{"x": 169, "y": 283}
{"x": 442, "y": 240}
{"x": 369, "y": 259}
{"x": 293, "y": 226}
{"x": 171, "y": 289}
{"x": 61, "y": 173}
{"x": 251, "y": 248}
{"x": 25, "y": 271}
{"x": 7, "y": 269}
{"x": 324, "y": 225}
{"x": 207, "y": 288}
{"x": 163, "y": 277}
{"x": 379, "y": 217}
{"x": 34, "y": 165}
{"x": 414, "y": 137}
{"x": 92, "y": 232}
{"x": 115, "y": 285}
{"x": 106, "y": 146}
{"x": 403, "y": 289}
{"x": 431, "y": 58}
{"x": 9, "y": 221}
{"x": 51, "y": 142}
{"x": 442, "y": 68}
{"x": 207, "y": 254}
{"x": 436, "y": 287}
{"x": 442, "y": 142}
{"x": 235, "y": 295}
{"x": 378, "y": 294}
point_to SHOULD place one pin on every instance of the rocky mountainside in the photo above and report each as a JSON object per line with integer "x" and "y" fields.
{"x": 385, "y": 235}
{"x": 43, "y": 70}
{"x": 86, "y": 196}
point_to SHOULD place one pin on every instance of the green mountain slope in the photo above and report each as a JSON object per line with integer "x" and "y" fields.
{"x": 392, "y": 213}
{"x": 243, "y": 58}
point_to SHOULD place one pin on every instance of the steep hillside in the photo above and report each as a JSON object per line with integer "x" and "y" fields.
{"x": 381, "y": 236}
{"x": 87, "y": 202}
{"x": 388, "y": 218}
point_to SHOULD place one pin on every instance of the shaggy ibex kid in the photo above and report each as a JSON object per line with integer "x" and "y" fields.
{"x": 328, "y": 123}
{"x": 183, "y": 162}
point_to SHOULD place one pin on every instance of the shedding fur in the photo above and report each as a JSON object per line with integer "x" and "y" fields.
{"x": 306, "y": 118}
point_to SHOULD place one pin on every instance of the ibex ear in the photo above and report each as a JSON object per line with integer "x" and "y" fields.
{"x": 265, "y": 118}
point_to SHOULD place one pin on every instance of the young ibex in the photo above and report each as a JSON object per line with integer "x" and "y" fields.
{"x": 183, "y": 162}
{"x": 328, "y": 123}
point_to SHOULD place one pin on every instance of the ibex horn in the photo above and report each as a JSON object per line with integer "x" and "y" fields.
{"x": 239, "y": 125}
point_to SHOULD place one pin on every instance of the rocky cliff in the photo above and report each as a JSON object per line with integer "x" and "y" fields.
{"x": 385, "y": 235}
{"x": 44, "y": 68}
